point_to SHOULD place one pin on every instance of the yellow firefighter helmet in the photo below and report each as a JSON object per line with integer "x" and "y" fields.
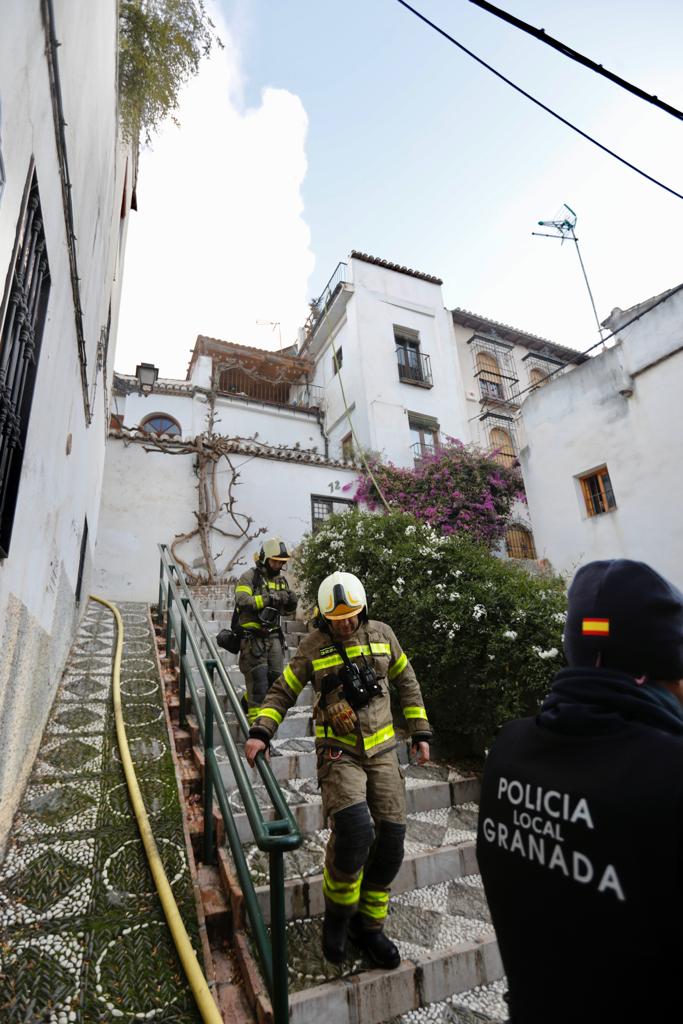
{"x": 273, "y": 548}
{"x": 341, "y": 595}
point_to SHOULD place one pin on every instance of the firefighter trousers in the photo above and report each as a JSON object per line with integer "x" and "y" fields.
{"x": 261, "y": 661}
{"x": 364, "y": 802}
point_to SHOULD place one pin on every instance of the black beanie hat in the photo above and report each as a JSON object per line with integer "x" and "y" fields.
{"x": 629, "y": 615}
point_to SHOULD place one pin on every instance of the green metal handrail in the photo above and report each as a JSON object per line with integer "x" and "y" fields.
{"x": 273, "y": 836}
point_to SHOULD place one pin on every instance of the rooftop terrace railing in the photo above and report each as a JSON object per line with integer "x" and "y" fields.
{"x": 186, "y": 631}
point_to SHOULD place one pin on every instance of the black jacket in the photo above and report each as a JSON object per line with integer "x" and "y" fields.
{"x": 580, "y": 847}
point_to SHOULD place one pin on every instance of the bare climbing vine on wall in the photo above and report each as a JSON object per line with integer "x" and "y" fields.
{"x": 210, "y": 451}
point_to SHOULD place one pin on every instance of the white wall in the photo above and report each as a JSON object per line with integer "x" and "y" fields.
{"x": 581, "y": 421}
{"x": 381, "y": 300}
{"x": 150, "y": 497}
{"x": 233, "y": 417}
{"x": 63, "y": 462}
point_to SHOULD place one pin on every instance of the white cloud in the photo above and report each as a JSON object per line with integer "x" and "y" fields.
{"x": 219, "y": 240}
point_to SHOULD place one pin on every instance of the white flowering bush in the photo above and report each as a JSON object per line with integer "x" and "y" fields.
{"x": 484, "y": 637}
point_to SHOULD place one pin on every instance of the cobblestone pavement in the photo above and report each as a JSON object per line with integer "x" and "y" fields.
{"x": 82, "y": 934}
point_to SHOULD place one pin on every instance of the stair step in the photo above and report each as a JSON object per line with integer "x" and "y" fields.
{"x": 425, "y": 869}
{"x": 375, "y": 996}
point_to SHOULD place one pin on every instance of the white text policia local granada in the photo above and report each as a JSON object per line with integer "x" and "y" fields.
{"x": 536, "y": 833}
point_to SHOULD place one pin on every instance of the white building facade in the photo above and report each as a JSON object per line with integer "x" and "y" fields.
{"x": 381, "y": 367}
{"x": 602, "y": 456}
{"x": 66, "y": 186}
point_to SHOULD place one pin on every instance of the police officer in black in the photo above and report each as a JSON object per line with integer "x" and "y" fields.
{"x": 580, "y": 841}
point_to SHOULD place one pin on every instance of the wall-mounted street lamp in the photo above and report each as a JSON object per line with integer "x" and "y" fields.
{"x": 146, "y": 375}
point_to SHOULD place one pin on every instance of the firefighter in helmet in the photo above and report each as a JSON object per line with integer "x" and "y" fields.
{"x": 262, "y": 595}
{"x": 351, "y": 661}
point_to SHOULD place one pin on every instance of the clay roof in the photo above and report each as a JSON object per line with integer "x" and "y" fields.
{"x": 515, "y": 336}
{"x": 365, "y": 258}
{"x": 239, "y": 445}
{"x": 217, "y": 348}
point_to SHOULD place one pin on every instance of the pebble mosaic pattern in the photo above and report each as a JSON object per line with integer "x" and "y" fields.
{"x": 84, "y": 938}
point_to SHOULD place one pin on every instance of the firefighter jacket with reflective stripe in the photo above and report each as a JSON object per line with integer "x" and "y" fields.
{"x": 251, "y": 596}
{"x": 316, "y": 658}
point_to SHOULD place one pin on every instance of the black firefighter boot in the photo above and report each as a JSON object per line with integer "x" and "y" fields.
{"x": 379, "y": 947}
{"x": 335, "y": 929}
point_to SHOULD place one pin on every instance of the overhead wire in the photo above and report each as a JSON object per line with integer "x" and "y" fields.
{"x": 539, "y": 103}
{"x": 567, "y": 51}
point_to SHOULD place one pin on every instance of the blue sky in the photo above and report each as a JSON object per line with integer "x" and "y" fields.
{"x": 414, "y": 153}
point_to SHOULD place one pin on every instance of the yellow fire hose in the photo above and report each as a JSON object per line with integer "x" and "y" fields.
{"x": 200, "y": 990}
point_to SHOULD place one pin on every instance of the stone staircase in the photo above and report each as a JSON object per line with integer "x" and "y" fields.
{"x": 451, "y": 969}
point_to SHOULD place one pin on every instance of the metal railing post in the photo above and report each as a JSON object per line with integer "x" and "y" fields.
{"x": 208, "y": 766}
{"x": 160, "y": 605}
{"x": 278, "y": 931}
{"x": 169, "y": 624}
{"x": 182, "y": 689}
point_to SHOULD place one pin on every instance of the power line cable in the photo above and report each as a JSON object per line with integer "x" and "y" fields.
{"x": 567, "y": 51}
{"x": 538, "y": 102}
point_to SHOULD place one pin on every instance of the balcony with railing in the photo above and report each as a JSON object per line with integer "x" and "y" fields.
{"x": 422, "y": 450}
{"x": 414, "y": 367}
{"x": 320, "y": 306}
{"x": 240, "y": 383}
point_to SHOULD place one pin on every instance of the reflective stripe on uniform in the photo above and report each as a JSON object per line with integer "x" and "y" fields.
{"x": 378, "y": 737}
{"x": 322, "y": 734}
{"x": 292, "y": 682}
{"x": 271, "y": 713}
{"x": 320, "y": 663}
{"x": 243, "y": 589}
{"x": 368, "y": 741}
{"x": 396, "y": 669}
{"x": 351, "y": 652}
{"x": 251, "y": 625}
{"x": 374, "y": 903}
{"x": 343, "y": 893}
{"x": 258, "y": 601}
{"x": 414, "y": 712}
{"x": 252, "y": 715}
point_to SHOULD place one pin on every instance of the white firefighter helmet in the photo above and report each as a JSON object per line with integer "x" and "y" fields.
{"x": 341, "y": 595}
{"x": 273, "y": 548}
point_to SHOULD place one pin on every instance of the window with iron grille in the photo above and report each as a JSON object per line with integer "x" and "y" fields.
{"x": 22, "y": 319}
{"x": 598, "y": 495}
{"x": 414, "y": 366}
{"x": 323, "y": 507}
{"x": 519, "y": 542}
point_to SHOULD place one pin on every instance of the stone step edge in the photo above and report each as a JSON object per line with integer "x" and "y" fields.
{"x": 304, "y": 897}
{"x": 373, "y": 997}
{"x": 434, "y": 796}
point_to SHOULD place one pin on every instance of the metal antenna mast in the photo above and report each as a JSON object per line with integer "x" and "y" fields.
{"x": 564, "y": 224}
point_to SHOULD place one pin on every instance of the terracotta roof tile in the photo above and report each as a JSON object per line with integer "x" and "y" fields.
{"x": 365, "y": 258}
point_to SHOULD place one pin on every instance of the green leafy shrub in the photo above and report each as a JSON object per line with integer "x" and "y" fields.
{"x": 484, "y": 637}
{"x": 161, "y": 43}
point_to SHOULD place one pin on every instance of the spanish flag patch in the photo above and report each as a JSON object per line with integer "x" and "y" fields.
{"x": 595, "y": 627}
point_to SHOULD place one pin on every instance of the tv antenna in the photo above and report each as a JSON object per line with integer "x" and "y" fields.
{"x": 273, "y": 324}
{"x": 563, "y": 225}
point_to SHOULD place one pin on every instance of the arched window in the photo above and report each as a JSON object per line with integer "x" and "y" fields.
{"x": 490, "y": 380}
{"x": 160, "y": 423}
{"x": 502, "y": 444}
{"x": 519, "y": 542}
{"x": 537, "y": 378}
